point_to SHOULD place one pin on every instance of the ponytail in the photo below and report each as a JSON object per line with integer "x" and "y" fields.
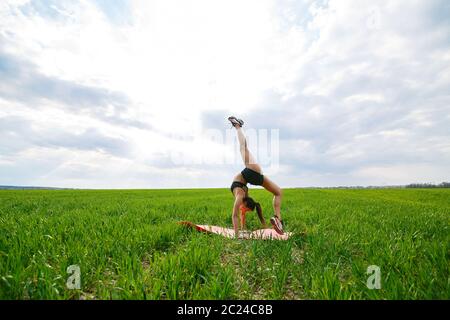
{"x": 258, "y": 208}
{"x": 252, "y": 205}
{"x": 260, "y": 214}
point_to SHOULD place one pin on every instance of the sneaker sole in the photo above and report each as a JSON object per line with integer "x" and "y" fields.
{"x": 234, "y": 121}
{"x": 274, "y": 224}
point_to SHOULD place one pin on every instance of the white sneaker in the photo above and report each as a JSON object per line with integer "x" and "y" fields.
{"x": 277, "y": 225}
{"x": 235, "y": 121}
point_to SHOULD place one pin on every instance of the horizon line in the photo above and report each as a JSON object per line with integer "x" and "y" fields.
{"x": 30, "y": 187}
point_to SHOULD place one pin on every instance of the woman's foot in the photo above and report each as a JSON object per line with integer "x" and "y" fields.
{"x": 277, "y": 224}
{"x": 235, "y": 121}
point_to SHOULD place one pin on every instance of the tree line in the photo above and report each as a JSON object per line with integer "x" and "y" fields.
{"x": 429, "y": 185}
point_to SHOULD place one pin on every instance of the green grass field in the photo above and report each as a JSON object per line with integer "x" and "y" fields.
{"x": 129, "y": 246}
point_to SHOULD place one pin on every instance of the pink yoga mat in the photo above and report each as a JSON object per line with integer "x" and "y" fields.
{"x": 261, "y": 234}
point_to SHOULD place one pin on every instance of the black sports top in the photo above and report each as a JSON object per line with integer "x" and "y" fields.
{"x": 238, "y": 184}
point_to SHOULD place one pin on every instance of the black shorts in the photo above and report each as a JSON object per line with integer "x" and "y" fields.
{"x": 253, "y": 177}
{"x": 238, "y": 184}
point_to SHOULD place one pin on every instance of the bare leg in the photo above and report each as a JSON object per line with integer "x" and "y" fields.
{"x": 272, "y": 187}
{"x": 247, "y": 157}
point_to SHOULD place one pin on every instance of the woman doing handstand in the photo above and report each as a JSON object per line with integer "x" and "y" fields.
{"x": 252, "y": 174}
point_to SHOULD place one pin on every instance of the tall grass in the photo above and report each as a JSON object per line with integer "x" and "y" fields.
{"x": 129, "y": 246}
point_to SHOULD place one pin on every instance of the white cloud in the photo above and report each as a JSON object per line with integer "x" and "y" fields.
{"x": 400, "y": 174}
{"x": 351, "y": 85}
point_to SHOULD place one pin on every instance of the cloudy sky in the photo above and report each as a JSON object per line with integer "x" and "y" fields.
{"x": 135, "y": 94}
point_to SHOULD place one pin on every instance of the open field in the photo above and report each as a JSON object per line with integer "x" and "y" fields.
{"x": 128, "y": 245}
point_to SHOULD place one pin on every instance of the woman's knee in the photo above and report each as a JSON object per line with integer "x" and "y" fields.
{"x": 278, "y": 193}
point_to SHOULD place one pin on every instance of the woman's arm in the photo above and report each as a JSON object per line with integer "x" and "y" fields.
{"x": 235, "y": 217}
